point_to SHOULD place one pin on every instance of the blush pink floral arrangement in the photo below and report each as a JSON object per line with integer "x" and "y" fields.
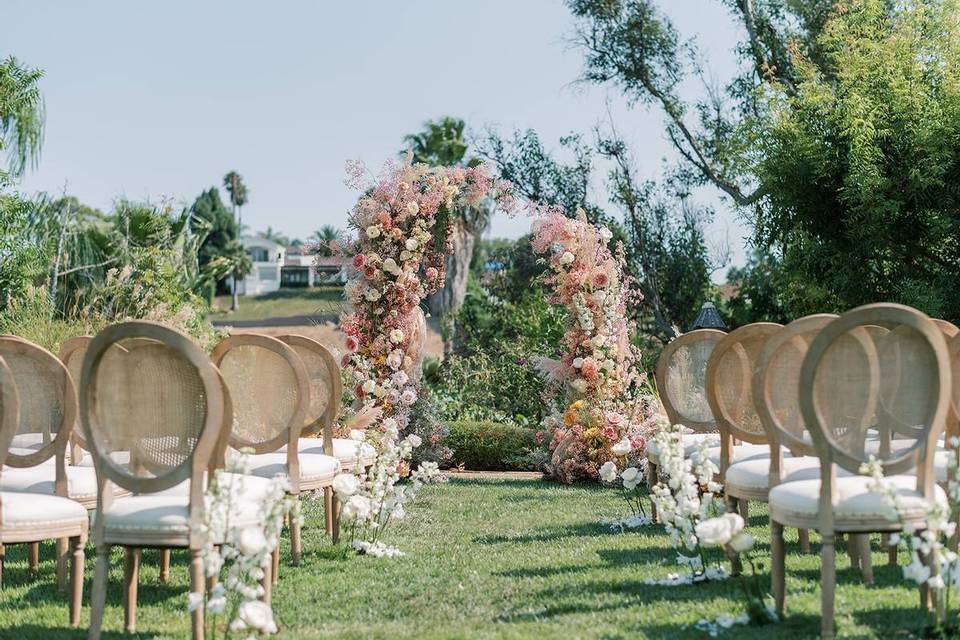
{"x": 603, "y": 409}
{"x": 404, "y": 230}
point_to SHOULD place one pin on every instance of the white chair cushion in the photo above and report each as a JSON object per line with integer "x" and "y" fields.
{"x": 745, "y": 451}
{"x": 22, "y": 511}
{"x": 755, "y": 472}
{"x": 855, "y": 502}
{"x": 121, "y": 458}
{"x": 344, "y": 449}
{"x": 253, "y": 487}
{"x": 81, "y": 481}
{"x": 314, "y": 467}
{"x": 31, "y": 441}
{"x": 159, "y": 516}
{"x": 690, "y": 443}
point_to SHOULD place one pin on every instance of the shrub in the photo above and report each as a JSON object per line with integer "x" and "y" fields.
{"x": 491, "y": 446}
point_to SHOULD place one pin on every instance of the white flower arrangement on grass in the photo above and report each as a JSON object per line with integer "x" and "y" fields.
{"x": 371, "y": 498}
{"x": 685, "y": 497}
{"x": 631, "y": 484}
{"x": 932, "y": 563}
{"x": 238, "y": 565}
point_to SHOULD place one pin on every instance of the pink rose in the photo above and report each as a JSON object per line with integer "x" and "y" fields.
{"x": 359, "y": 260}
{"x": 370, "y": 271}
{"x": 601, "y": 279}
{"x": 589, "y": 369}
{"x": 345, "y": 360}
{"x": 432, "y": 273}
{"x": 352, "y": 344}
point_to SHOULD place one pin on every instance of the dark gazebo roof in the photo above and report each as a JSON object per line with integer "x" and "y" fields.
{"x": 708, "y": 318}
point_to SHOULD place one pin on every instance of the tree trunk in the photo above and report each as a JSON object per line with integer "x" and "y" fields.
{"x": 444, "y": 303}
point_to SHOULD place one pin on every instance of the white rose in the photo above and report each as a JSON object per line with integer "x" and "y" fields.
{"x": 371, "y": 294}
{"x": 373, "y": 231}
{"x": 741, "y": 542}
{"x": 390, "y": 266}
{"x": 413, "y": 208}
{"x": 599, "y": 296}
{"x": 608, "y": 471}
{"x": 622, "y": 448}
{"x": 605, "y": 234}
{"x": 630, "y": 485}
{"x": 630, "y": 473}
{"x": 566, "y": 258}
{"x": 359, "y": 506}
{"x": 345, "y": 485}
{"x": 369, "y": 386}
{"x": 405, "y": 255}
{"x": 609, "y": 365}
{"x": 578, "y": 362}
{"x": 257, "y": 615}
{"x": 357, "y": 435}
{"x": 579, "y": 385}
{"x": 716, "y": 532}
{"x": 598, "y": 341}
{"x": 379, "y": 391}
{"x": 251, "y": 541}
{"x": 396, "y": 336}
{"x": 411, "y": 244}
{"x": 414, "y": 440}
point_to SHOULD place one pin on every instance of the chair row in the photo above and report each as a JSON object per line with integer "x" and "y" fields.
{"x": 158, "y": 416}
{"x": 780, "y": 404}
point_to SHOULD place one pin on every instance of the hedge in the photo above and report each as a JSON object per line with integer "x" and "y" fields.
{"x": 490, "y": 446}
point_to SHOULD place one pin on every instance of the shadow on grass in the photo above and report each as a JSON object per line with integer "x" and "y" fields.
{"x": 36, "y": 632}
{"x": 547, "y": 534}
{"x": 803, "y": 625}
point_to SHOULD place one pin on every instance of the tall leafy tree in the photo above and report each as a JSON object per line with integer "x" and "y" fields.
{"x": 221, "y": 252}
{"x": 322, "y": 239}
{"x": 238, "y": 197}
{"x": 442, "y": 143}
{"x": 21, "y": 117}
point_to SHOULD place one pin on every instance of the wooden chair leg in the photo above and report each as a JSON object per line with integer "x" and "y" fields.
{"x": 328, "y": 509}
{"x": 196, "y": 586}
{"x": 98, "y": 596}
{"x": 736, "y": 565}
{"x": 804, "y": 537}
{"x": 866, "y": 560}
{"x": 296, "y": 542}
{"x": 744, "y": 510}
{"x": 267, "y": 581}
{"x": 33, "y": 554}
{"x": 275, "y": 561}
{"x": 164, "y": 565}
{"x": 652, "y": 476}
{"x": 336, "y": 519}
{"x": 853, "y": 550}
{"x": 778, "y": 566}
{"x": 891, "y": 552}
{"x": 828, "y": 579}
{"x": 131, "y": 580}
{"x": 76, "y": 579}
{"x": 3, "y": 555}
{"x": 63, "y": 551}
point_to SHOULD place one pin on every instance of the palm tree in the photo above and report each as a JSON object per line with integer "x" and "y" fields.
{"x": 21, "y": 117}
{"x": 442, "y": 143}
{"x": 323, "y": 238}
{"x": 238, "y": 197}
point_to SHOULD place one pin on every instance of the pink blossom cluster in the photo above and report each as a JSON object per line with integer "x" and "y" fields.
{"x": 404, "y": 230}
{"x": 598, "y": 394}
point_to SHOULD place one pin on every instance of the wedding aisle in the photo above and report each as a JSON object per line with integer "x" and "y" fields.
{"x": 488, "y": 559}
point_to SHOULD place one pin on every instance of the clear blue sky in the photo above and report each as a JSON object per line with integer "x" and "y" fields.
{"x": 159, "y": 100}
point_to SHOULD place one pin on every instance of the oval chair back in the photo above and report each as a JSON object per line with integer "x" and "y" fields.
{"x": 953, "y": 424}
{"x": 71, "y": 355}
{"x": 156, "y": 401}
{"x": 48, "y": 406}
{"x": 326, "y": 387}
{"x": 9, "y": 413}
{"x": 729, "y": 384}
{"x": 776, "y": 389}
{"x": 681, "y": 379}
{"x": 845, "y": 375}
{"x": 269, "y": 388}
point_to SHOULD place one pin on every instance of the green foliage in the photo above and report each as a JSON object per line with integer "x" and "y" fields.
{"x": 441, "y": 143}
{"x": 21, "y": 117}
{"x": 21, "y": 261}
{"x": 221, "y": 252}
{"x": 31, "y": 316}
{"x": 490, "y": 446}
{"x": 860, "y": 164}
{"x": 761, "y": 292}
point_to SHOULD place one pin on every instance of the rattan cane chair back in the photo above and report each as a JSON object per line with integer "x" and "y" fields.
{"x": 157, "y": 398}
{"x": 9, "y": 412}
{"x": 326, "y": 386}
{"x": 776, "y": 383}
{"x": 48, "y": 402}
{"x": 953, "y": 350}
{"x": 729, "y": 381}
{"x": 269, "y": 387}
{"x": 681, "y": 379}
{"x": 853, "y": 380}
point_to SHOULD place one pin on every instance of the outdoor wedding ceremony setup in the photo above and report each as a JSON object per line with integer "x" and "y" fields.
{"x": 508, "y": 394}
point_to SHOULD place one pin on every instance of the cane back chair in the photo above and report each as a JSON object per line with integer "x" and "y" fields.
{"x": 855, "y": 380}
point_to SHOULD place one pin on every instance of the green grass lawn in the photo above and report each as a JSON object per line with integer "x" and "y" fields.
{"x": 286, "y": 302}
{"x": 487, "y": 559}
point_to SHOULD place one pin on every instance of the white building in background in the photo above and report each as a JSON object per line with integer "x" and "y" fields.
{"x": 275, "y": 266}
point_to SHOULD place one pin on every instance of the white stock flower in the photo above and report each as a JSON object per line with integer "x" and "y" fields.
{"x": 716, "y": 532}
{"x": 345, "y": 485}
{"x": 251, "y": 541}
{"x": 622, "y": 448}
{"x": 396, "y": 336}
{"x": 356, "y": 508}
{"x": 254, "y": 615}
{"x": 741, "y": 542}
{"x": 194, "y": 600}
{"x": 373, "y": 231}
{"x": 630, "y": 474}
{"x": 608, "y": 471}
